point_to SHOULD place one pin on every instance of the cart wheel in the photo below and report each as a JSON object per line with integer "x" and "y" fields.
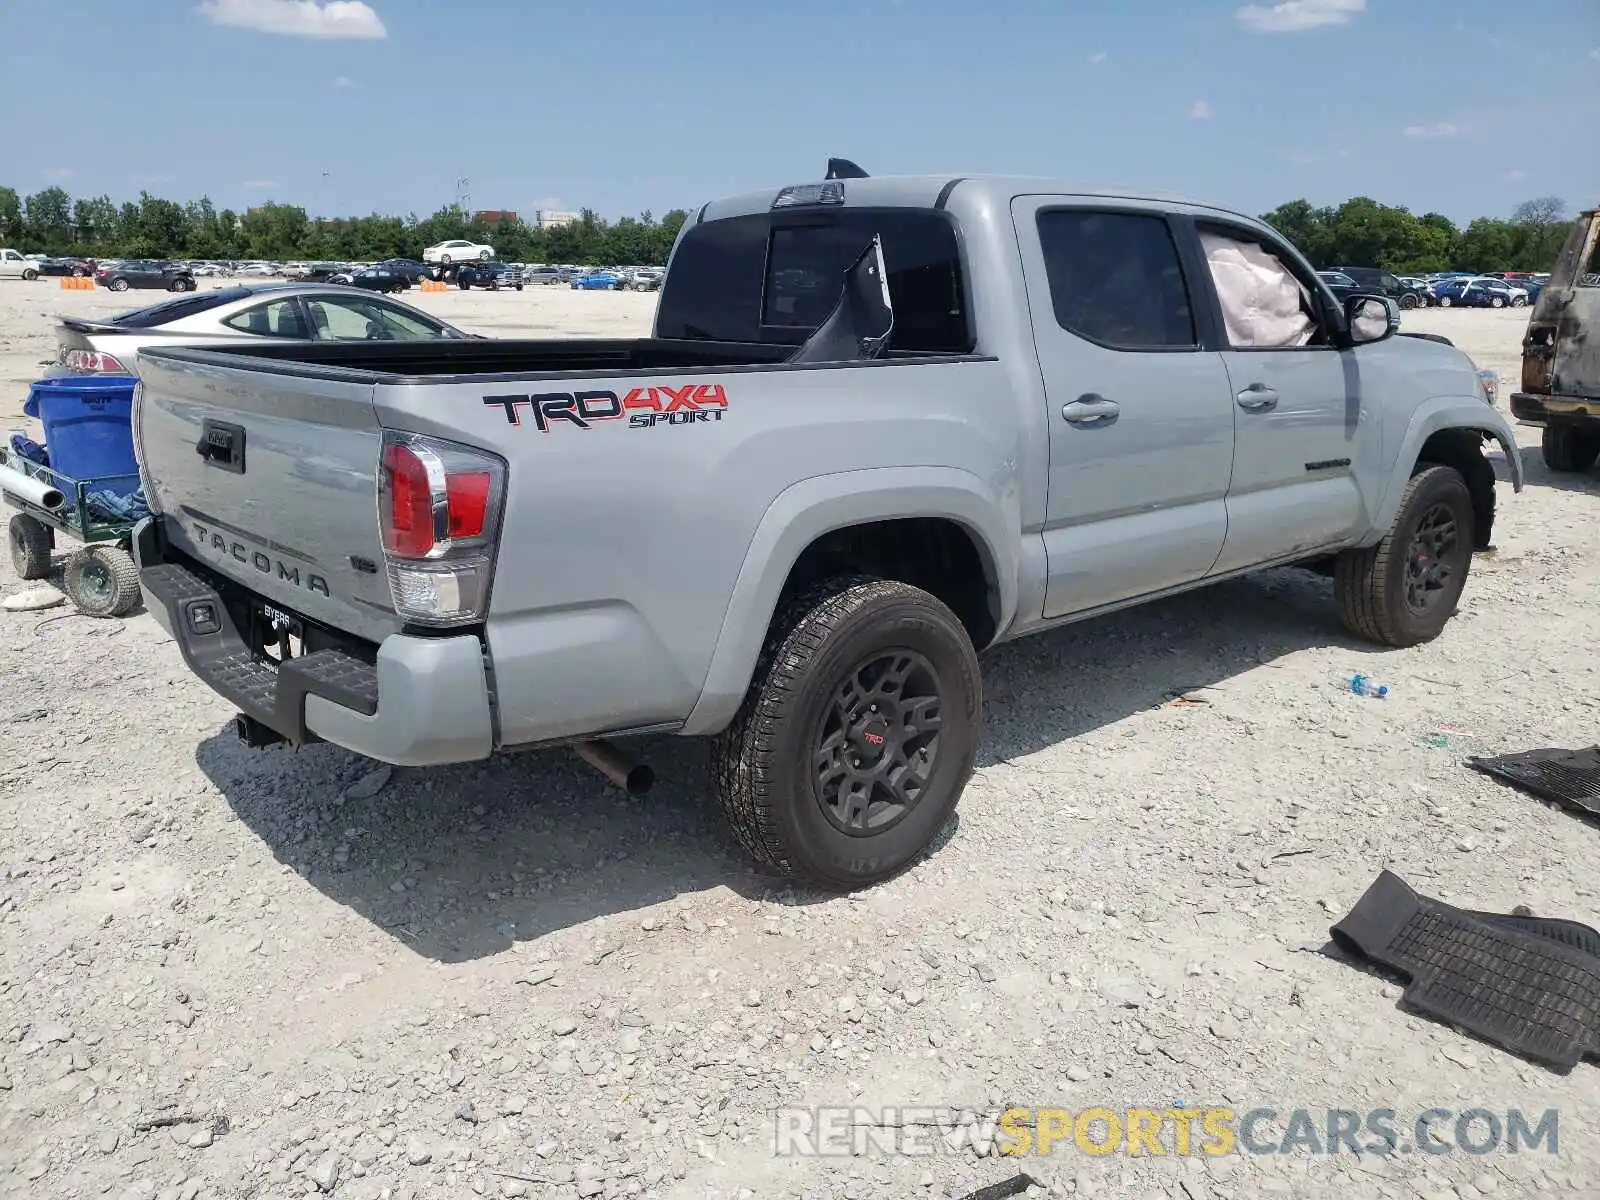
{"x": 31, "y": 543}
{"x": 102, "y": 581}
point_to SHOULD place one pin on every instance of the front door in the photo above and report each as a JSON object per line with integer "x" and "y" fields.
{"x": 1140, "y": 416}
{"x": 1304, "y": 430}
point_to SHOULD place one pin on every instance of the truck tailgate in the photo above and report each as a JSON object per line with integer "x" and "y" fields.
{"x": 270, "y": 478}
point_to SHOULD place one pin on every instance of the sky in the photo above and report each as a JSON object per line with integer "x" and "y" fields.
{"x": 1464, "y": 107}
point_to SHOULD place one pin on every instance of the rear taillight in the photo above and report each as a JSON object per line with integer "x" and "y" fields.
{"x": 439, "y": 506}
{"x": 93, "y": 362}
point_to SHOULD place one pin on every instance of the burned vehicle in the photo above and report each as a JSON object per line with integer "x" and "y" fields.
{"x": 1561, "y": 354}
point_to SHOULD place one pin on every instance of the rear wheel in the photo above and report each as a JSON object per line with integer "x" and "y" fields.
{"x": 102, "y": 581}
{"x": 1519, "y": 301}
{"x": 1408, "y": 301}
{"x": 485, "y": 256}
{"x": 1569, "y": 448}
{"x": 31, "y": 543}
{"x": 118, "y": 285}
{"x": 30, "y": 274}
{"x": 1445, "y": 302}
{"x": 857, "y": 737}
{"x": 1497, "y": 301}
{"x": 1403, "y": 590}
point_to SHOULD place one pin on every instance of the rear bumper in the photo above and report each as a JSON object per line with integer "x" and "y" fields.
{"x": 418, "y": 701}
{"x": 1529, "y": 406}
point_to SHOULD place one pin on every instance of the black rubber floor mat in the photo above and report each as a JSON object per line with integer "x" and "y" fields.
{"x": 1535, "y": 994}
{"x": 1567, "y": 777}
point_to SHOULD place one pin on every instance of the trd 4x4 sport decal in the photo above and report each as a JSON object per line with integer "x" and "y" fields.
{"x": 644, "y": 407}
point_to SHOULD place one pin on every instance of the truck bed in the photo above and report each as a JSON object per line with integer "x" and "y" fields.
{"x": 459, "y": 361}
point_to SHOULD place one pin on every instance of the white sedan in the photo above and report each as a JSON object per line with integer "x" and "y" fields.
{"x": 457, "y": 251}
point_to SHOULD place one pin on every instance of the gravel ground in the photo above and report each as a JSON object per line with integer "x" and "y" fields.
{"x": 269, "y": 974}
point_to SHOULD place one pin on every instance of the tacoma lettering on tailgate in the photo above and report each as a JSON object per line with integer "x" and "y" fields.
{"x": 644, "y": 407}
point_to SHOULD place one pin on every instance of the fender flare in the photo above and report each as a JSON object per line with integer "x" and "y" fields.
{"x": 805, "y": 511}
{"x": 1444, "y": 412}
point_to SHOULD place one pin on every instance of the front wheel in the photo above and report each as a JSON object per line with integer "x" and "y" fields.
{"x": 1519, "y": 301}
{"x": 1569, "y": 448}
{"x": 1403, "y": 590}
{"x": 444, "y": 260}
{"x": 102, "y": 581}
{"x": 30, "y": 274}
{"x": 1445, "y": 302}
{"x": 857, "y": 737}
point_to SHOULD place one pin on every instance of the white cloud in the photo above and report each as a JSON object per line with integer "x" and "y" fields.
{"x": 1437, "y": 130}
{"x": 1201, "y": 111}
{"x": 297, "y": 18}
{"x": 1516, "y": 175}
{"x": 1595, "y": 54}
{"x": 344, "y": 81}
{"x": 1098, "y": 57}
{"x": 259, "y": 184}
{"x": 1292, "y": 16}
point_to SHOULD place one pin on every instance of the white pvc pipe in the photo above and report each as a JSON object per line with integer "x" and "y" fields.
{"x": 26, "y": 487}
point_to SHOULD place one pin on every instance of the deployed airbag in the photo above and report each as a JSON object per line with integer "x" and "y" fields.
{"x": 1262, "y": 302}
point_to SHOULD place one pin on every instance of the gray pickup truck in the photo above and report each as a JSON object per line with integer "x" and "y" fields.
{"x": 430, "y": 552}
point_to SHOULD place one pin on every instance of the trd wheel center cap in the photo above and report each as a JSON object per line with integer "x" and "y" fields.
{"x": 870, "y": 739}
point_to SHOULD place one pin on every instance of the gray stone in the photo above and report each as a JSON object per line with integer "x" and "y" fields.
{"x": 1124, "y": 993}
{"x": 369, "y": 785}
{"x": 418, "y": 1154}
{"x": 326, "y": 1173}
{"x": 562, "y": 1026}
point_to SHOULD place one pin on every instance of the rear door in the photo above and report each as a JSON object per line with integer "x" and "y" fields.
{"x": 1140, "y": 417}
{"x": 1302, "y": 426}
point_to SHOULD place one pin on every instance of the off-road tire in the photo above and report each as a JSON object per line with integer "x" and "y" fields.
{"x": 1567, "y": 448}
{"x": 102, "y": 581}
{"x": 1369, "y": 584}
{"x": 763, "y": 762}
{"x": 31, "y": 543}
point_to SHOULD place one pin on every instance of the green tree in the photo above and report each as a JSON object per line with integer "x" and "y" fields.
{"x": 274, "y": 231}
{"x": 48, "y": 219}
{"x": 10, "y": 216}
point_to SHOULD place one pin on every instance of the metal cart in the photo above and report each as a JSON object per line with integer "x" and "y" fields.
{"x": 100, "y": 578}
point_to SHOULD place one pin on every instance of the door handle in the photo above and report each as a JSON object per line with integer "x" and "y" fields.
{"x": 1257, "y": 397}
{"x": 1090, "y": 409}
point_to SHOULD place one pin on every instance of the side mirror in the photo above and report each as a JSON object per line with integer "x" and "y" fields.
{"x": 1371, "y": 319}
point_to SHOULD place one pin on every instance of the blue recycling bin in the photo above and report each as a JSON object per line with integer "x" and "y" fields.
{"x": 88, "y": 427}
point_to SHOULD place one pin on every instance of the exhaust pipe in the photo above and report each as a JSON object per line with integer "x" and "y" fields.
{"x": 26, "y": 487}
{"x": 254, "y": 734}
{"x": 635, "y": 778}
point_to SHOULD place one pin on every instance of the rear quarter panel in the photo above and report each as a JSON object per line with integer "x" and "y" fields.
{"x": 626, "y": 539}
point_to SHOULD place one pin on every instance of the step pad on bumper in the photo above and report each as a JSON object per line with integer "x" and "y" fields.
{"x": 274, "y": 694}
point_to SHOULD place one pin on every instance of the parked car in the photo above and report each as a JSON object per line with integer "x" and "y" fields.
{"x": 14, "y": 266}
{"x": 1376, "y": 282}
{"x": 146, "y": 274}
{"x": 243, "y": 313}
{"x": 409, "y": 269}
{"x": 646, "y": 279}
{"x": 595, "y": 281}
{"x": 378, "y": 279}
{"x": 1340, "y": 284}
{"x": 491, "y": 275}
{"x": 76, "y": 268}
{"x": 457, "y": 251}
{"x": 1478, "y": 292}
{"x": 1560, "y": 370}
{"x": 542, "y": 275}
{"x": 1082, "y": 416}
{"x": 325, "y": 273}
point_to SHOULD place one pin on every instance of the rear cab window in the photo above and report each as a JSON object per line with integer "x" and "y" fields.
{"x": 774, "y": 277}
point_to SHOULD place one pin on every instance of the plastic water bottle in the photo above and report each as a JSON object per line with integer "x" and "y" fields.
{"x": 1362, "y": 686}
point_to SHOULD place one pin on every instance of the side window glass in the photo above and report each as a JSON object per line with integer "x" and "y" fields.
{"x": 1264, "y": 306}
{"x": 281, "y": 318}
{"x": 1115, "y": 279}
{"x": 366, "y": 320}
